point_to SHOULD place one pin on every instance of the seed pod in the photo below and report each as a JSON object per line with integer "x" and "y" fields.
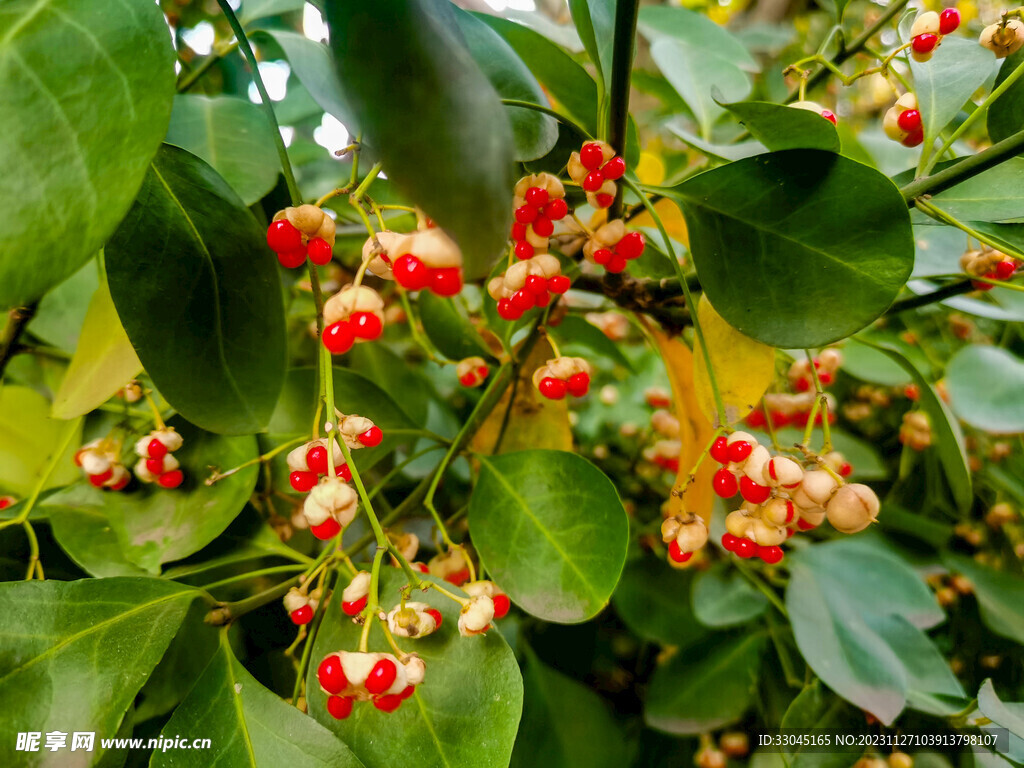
{"x": 765, "y": 534}
{"x": 297, "y": 456}
{"x": 547, "y": 265}
{"x": 331, "y": 498}
{"x": 142, "y": 472}
{"x": 351, "y": 427}
{"x": 815, "y": 489}
{"x": 926, "y": 23}
{"x": 433, "y": 247}
{"x": 735, "y": 744}
{"x": 305, "y": 218}
{"x": 496, "y": 288}
{"x": 562, "y": 367}
{"x": 1003, "y": 41}
{"x": 665, "y": 423}
{"x": 670, "y": 528}
{"x": 782, "y": 471}
{"x": 476, "y": 616}
{"x": 358, "y": 588}
{"x": 450, "y": 566}
{"x": 327, "y": 230}
{"x": 754, "y": 465}
{"x": 294, "y": 599}
{"x": 94, "y": 462}
{"x": 745, "y": 436}
{"x": 779, "y": 511}
{"x": 738, "y": 523}
{"x": 353, "y": 299}
{"x": 810, "y": 518}
{"x": 692, "y": 535}
{"x": 415, "y": 669}
{"x": 545, "y": 181}
{"x": 414, "y": 620}
{"x": 853, "y": 508}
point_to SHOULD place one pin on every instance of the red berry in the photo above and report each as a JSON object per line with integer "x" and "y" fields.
{"x": 825, "y": 378}
{"x": 720, "y": 450}
{"x": 909, "y": 120}
{"x": 101, "y": 478}
{"x": 949, "y": 20}
{"x": 631, "y": 245}
{"x": 302, "y": 615}
{"x": 371, "y": 438}
{"x": 411, "y": 273}
{"x": 171, "y": 479}
{"x": 729, "y": 542}
{"x": 779, "y": 419}
{"x": 156, "y": 466}
{"x": 446, "y": 281}
{"x": 591, "y": 156}
{"x": 343, "y": 472}
{"x": 559, "y": 284}
{"x": 156, "y": 449}
{"x": 593, "y": 181}
{"x": 283, "y": 237}
{"x": 436, "y": 616}
{"x": 331, "y": 674}
{"x": 339, "y": 337}
{"x": 328, "y": 529}
{"x": 518, "y": 231}
{"x": 914, "y": 138}
{"x": 616, "y": 264}
{"x": 830, "y": 116}
{"x": 366, "y": 325}
{"x": 319, "y": 251}
{"x": 468, "y": 380}
{"x": 745, "y": 548}
{"x": 578, "y": 384}
{"x": 458, "y": 578}
{"x": 501, "y": 606}
{"x": 925, "y": 42}
{"x": 523, "y": 250}
{"x": 408, "y": 691}
{"x": 724, "y": 483}
{"x": 381, "y": 677}
{"x": 756, "y": 419}
{"x": 805, "y": 525}
{"x": 339, "y": 707}
{"x": 1005, "y": 269}
{"x": 753, "y": 492}
{"x": 739, "y": 450}
{"x": 388, "y": 703}
{"x": 552, "y": 389}
{"x": 845, "y": 469}
{"x": 602, "y": 256}
{"x": 980, "y": 286}
{"x": 482, "y": 371}
{"x": 354, "y": 607}
{"x": 770, "y": 555}
{"x": 316, "y": 460}
{"x": 5, "y": 502}
{"x": 537, "y": 196}
{"x": 604, "y": 201}
{"x": 507, "y": 311}
{"x": 292, "y": 259}
{"x": 536, "y": 284}
{"x": 542, "y": 300}
{"x": 677, "y": 554}
{"x": 556, "y": 209}
{"x": 526, "y": 213}
{"x": 543, "y": 226}
{"x": 522, "y": 300}
{"x": 802, "y": 384}
{"x": 121, "y": 484}
{"x": 614, "y": 168}
{"x": 302, "y": 481}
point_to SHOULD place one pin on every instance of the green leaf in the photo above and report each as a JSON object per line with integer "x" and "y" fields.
{"x": 29, "y": 438}
{"x": 595, "y": 23}
{"x": 74, "y": 654}
{"x": 231, "y": 135}
{"x": 1000, "y": 596}
{"x": 984, "y": 388}
{"x": 949, "y": 440}
{"x": 447, "y": 326}
{"x": 874, "y": 366}
{"x": 992, "y": 196}
{"x": 58, "y": 320}
{"x": 534, "y": 132}
{"x": 102, "y": 364}
{"x": 203, "y": 308}
{"x": 100, "y": 137}
{"x": 548, "y": 737}
{"x": 813, "y": 708}
{"x": 551, "y": 530}
{"x": 651, "y": 600}
{"x": 798, "y": 248}
{"x": 704, "y": 687}
{"x": 464, "y": 715}
{"x": 1006, "y": 115}
{"x": 258, "y": 9}
{"x": 577, "y": 336}
{"x": 85, "y": 533}
{"x": 722, "y": 597}
{"x": 944, "y": 83}
{"x": 780, "y": 127}
{"x": 1009, "y": 715}
{"x": 405, "y": 386}
{"x": 725, "y": 152}
{"x": 247, "y": 724}
{"x": 156, "y": 526}
{"x": 696, "y": 29}
{"x": 838, "y": 598}
{"x": 436, "y": 121}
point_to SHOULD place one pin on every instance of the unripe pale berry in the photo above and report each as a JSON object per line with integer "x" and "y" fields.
{"x": 853, "y": 508}
{"x": 782, "y": 471}
{"x": 1003, "y": 41}
{"x": 815, "y": 489}
{"x": 738, "y": 523}
{"x": 476, "y": 616}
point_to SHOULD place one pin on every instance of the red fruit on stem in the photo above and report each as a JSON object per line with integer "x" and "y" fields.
{"x": 501, "y": 606}
{"x": 319, "y": 251}
{"x": 436, "y": 616}
{"x": 720, "y": 450}
{"x": 388, "y": 703}
{"x": 339, "y": 707}
{"x": 292, "y": 259}
{"x": 614, "y": 168}
{"x": 559, "y": 284}
{"x": 542, "y": 300}
{"x": 328, "y": 529}
{"x": 522, "y": 300}
{"x": 458, "y": 578}
{"x": 602, "y": 256}
{"x": 468, "y": 380}
{"x": 302, "y": 481}
{"x": 507, "y": 311}
{"x": 171, "y": 479}
{"x": 283, "y": 237}
{"x": 1005, "y": 269}
{"x": 343, "y": 472}
{"x": 949, "y": 20}
{"x": 556, "y": 209}
{"x": 604, "y": 201}
{"x": 354, "y": 607}
{"x": 593, "y": 181}
{"x": 829, "y": 115}
{"x": 909, "y": 120}
{"x": 523, "y": 250}
{"x": 677, "y": 554}
{"x": 914, "y": 138}
{"x": 408, "y": 691}
{"x": 552, "y": 388}
{"x": 631, "y": 245}
{"x": 411, "y": 273}
{"x": 845, "y": 469}
{"x": 925, "y": 42}
{"x": 745, "y": 548}
{"x": 536, "y": 284}
{"x": 101, "y": 478}
{"x": 120, "y": 485}
{"x": 446, "y": 281}
{"x": 518, "y": 231}
{"x": 371, "y": 438}
{"x": 316, "y": 459}
{"x": 331, "y": 674}
{"x": 302, "y": 615}
{"x": 536, "y": 196}
{"x": 753, "y": 492}
{"x": 482, "y": 371}
{"x": 366, "y": 325}
{"x": 591, "y": 156}
{"x": 543, "y": 226}
{"x": 616, "y": 264}
{"x": 155, "y": 466}
{"x": 729, "y": 542}
{"x": 805, "y": 525}
{"x": 339, "y": 337}
{"x": 156, "y": 449}
{"x": 756, "y": 419}
{"x": 770, "y": 555}
{"x": 739, "y": 450}
{"x": 724, "y": 483}
{"x": 825, "y": 378}
{"x": 578, "y": 384}
{"x": 526, "y": 213}
{"x": 381, "y": 677}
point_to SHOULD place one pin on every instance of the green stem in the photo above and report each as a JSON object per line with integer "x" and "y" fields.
{"x": 826, "y": 446}
{"x": 69, "y": 433}
{"x": 758, "y": 582}
{"x": 307, "y": 650}
{"x": 964, "y": 169}
{"x": 623, "y": 46}
{"x": 940, "y": 215}
{"x": 17, "y": 319}
{"x": 255, "y": 575}
{"x": 193, "y": 76}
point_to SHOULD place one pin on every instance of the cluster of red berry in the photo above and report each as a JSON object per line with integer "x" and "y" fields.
{"x": 353, "y": 315}
{"x": 902, "y": 121}
{"x": 596, "y": 168}
{"x": 425, "y": 259}
{"x": 612, "y": 247}
{"x": 528, "y": 284}
{"x": 928, "y": 30}
{"x": 100, "y": 460}
{"x": 300, "y": 606}
{"x": 347, "y": 677}
{"x": 156, "y": 464}
{"x": 472, "y": 371}
{"x": 561, "y": 376}
{"x": 308, "y": 463}
{"x": 296, "y": 233}
{"x": 539, "y": 202}
{"x": 995, "y": 265}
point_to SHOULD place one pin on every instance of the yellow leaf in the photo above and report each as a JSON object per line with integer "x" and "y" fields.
{"x": 29, "y": 438}
{"x": 744, "y": 368}
{"x": 671, "y": 217}
{"x": 650, "y": 169}
{"x": 103, "y": 362}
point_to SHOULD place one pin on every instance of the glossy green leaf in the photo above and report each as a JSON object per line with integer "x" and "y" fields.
{"x": 798, "y": 248}
{"x": 464, "y": 715}
{"x": 550, "y": 736}
{"x": 1000, "y": 596}
{"x": 696, "y": 29}
{"x": 1006, "y": 115}
{"x": 992, "y": 196}
{"x": 534, "y": 132}
{"x": 984, "y": 388}
{"x": 873, "y": 366}
{"x": 447, "y": 326}
{"x": 249, "y": 725}
{"x": 203, "y": 308}
{"x": 102, "y": 364}
{"x": 943, "y": 84}
{"x": 722, "y": 597}
{"x": 100, "y": 137}
{"x": 727, "y": 152}
{"x": 435, "y": 120}
{"x": 651, "y": 599}
{"x": 407, "y": 387}
{"x": 595, "y": 23}
{"x": 704, "y": 687}
{"x": 948, "y": 439}
{"x": 233, "y": 136}
{"x": 61, "y": 312}
{"x": 839, "y": 598}
{"x": 1009, "y": 715}
{"x": 813, "y": 708}
{"x": 258, "y": 9}
{"x": 780, "y": 127}
{"x": 74, "y": 654}
{"x": 551, "y": 530}
{"x": 29, "y": 438}
{"x": 88, "y": 538}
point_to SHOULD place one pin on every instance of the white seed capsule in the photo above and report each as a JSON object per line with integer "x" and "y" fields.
{"x": 738, "y": 523}
{"x": 353, "y": 299}
{"x": 305, "y": 218}
{"x": 358, "y": 588}
{"x": 665, "y": 423}
{"x": 815, "y": 489}
{"x": 692, "y": 535}
{"x": 779, "y": 511}
{"x": 415, "y": 669}
{"x": 754, "y": 465}
{"x": 853, "y": 508}
{"x": 434, "y": 248}
{"x": 294, "y": 600}
{"x": 476, "y": 616}
{"x": 926, "y": 23}
{"x": 94, "y": 462}
{"x": 331, "y": 498}
{"x": 765, "y": 534}
{"x": 411, "y": 621}
{"x": 1003, "y": 41}
{"x": 782, "y": 471}
{"x": 142, "y": 472}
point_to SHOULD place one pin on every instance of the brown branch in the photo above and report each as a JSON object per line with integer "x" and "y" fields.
{"x": 17, "y": 319}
